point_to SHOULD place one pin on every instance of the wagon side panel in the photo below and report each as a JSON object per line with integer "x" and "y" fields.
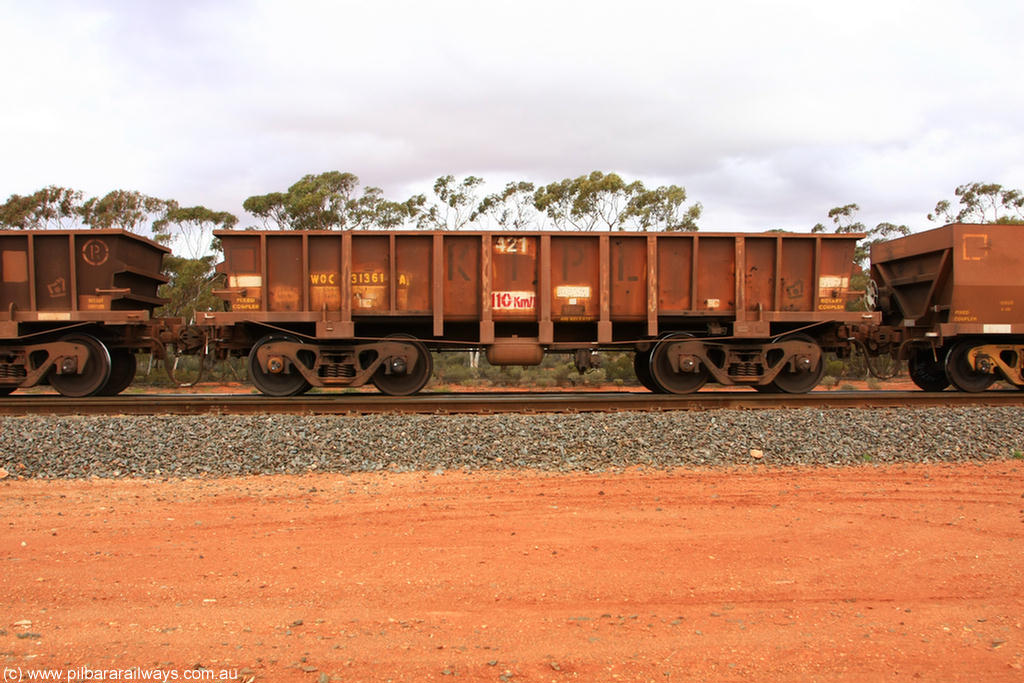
{"x": 15, "y": 274}
{"x": 675, "y": 274}
{"x": 284, "y": 274}
{"x": 716, "y": 275}
{"x": 325, "y": 277}
{"x": 575, "y": 279}
{"x": 514, "y": 277}
{"x": 243, "y": 271}
{"x": 371, "y": 263}
{"x": 628, "y": 278}
{"x": 760, "y": 275}
{"x": 462, "y": 285}
{"x": 53, "y": 276}
{"x": 834, "y": 266}
{"x": 987, "y": 285}
{"x": 796, "y": 279}
{"x": 413, "y": 275}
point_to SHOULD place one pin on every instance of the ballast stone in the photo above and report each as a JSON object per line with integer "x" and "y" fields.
{"x": 236, "y": 445}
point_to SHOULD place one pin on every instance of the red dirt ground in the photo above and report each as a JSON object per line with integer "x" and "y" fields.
{"x": 855, "y": 574}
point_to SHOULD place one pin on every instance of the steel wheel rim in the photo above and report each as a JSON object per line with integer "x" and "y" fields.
{"x": 406, "y": 383}
{"x": 275, "y": 384}
{"x": 668, "y": 380}
{"x": 123, "y": 365}
{"x": 927, "y": 373}
{"x": 96, "y": 372}
{"x": 642, "y": 369}
{"x": 800, "y": 382}
{"x": 962, "y": 375}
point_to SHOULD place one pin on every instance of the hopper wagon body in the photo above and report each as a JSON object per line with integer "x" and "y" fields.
{"x": 955, "y": 295}
{"x": 346, "y": 308}
{"x": 75, "y": 307}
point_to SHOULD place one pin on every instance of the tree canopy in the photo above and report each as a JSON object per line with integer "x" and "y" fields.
{"x": 512, "y": 208}
{"x": 981, "y": 203}
{"x": 662, "y": 209}
{"x": 328, "y": 201}
{"x": 596, "y": 201}
{"x": 845, "y": 223}
{"x": 51, "y": 208}
{"x": 127, "y": 210}
{"x": 61, "y": 208}
{"x": 194, "y": 225}
{"x": 604, "y": 201}
{"x": 335, "y": 200}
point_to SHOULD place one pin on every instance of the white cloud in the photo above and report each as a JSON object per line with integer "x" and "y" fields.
{"x": 769, "y": 113}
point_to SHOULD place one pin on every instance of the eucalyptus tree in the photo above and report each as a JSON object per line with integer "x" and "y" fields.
{"x": 330, "y": 201}
{"x": 596, "y": 201}
{"x": 845, "y": 222}
{"x": 128, "y": 210}
{"x": 981, "y": 203}
{"x": 604, "y": 201}
{"x": 454, "y": 204}
{"x": 192, "y": 227}
{"x": 192, "y": 280}
{"x": 663, "y": 209}
{"x": 373, "y": 210}
{"x": 51, "y": 208}
{"x": 512, "y": 208}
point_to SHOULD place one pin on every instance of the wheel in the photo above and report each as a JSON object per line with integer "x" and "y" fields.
{"x": 394, "y": 379}
{"x": 800, "y": 380}
{"x": 90, "y": 378}
{"x": 122, "y": 372}
{"x": 668, "y": 380}
{"x": 926, "y": 372}
{"x": 961, "y": 374}
{"x": 642, "y": 368}
{"x": 275, "y": 383}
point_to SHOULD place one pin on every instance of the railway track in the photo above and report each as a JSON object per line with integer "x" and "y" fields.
{"x": 487, "y": 402}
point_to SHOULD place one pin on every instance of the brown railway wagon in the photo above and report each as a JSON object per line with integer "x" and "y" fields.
{"x": 75, "y": 306}
{"x": 956, "y": 295}
{"x": 321, "y": 308}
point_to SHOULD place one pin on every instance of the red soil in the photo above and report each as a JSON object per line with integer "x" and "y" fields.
{"x": 855, "y": 574}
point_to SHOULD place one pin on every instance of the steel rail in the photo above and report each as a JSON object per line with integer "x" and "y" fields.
{"x": 487, "y": 402}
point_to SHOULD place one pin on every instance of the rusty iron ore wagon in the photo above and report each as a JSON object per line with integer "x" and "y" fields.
{"x": 343, "y": 309}
{"x": 955, "y": 296}
{"x": 75, "y": 307}
{"x": 346, "y": 308}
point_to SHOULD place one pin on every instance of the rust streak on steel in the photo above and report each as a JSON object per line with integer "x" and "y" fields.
{"x": 487, "y": 403}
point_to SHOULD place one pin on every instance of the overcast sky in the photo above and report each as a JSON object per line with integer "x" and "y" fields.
{"x": 768, "y": 113}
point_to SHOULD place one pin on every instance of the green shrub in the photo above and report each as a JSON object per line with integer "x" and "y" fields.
{"x": 834, "y": 368}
